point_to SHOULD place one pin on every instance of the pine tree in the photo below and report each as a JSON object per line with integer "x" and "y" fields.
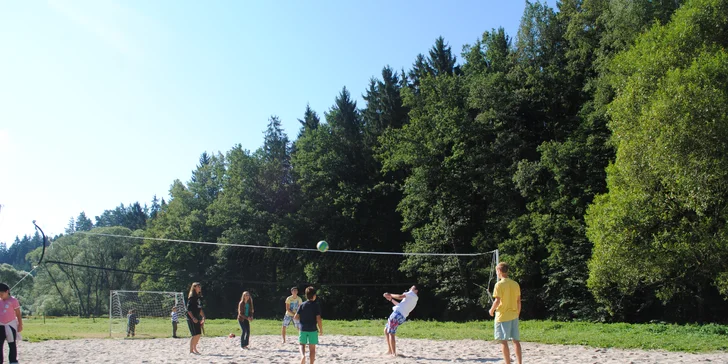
{"x": 441, "y": 61}
{"x": 310, "y": 121}
{"x": 83, "y": 223}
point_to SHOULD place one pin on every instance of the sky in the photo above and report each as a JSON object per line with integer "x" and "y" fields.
{"x": 105, "y": 102}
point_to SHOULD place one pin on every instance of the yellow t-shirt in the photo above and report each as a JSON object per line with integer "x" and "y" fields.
{"x": 508, "y": 291}
{"x": 293, "y": 304}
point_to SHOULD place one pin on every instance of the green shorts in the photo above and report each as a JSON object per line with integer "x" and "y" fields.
{"x": 308, "y": 337}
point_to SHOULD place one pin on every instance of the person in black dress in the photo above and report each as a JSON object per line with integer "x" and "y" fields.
{"x": 195, "y": 315}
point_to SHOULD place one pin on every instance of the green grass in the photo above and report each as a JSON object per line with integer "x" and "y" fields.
{"x": 688, "y": 338}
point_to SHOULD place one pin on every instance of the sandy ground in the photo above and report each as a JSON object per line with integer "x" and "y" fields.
{"x": 332, "y": 349}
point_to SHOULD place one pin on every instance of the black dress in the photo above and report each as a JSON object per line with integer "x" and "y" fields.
{"x": 194, "y": 307}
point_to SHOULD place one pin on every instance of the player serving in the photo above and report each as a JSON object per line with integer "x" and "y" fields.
{"x": 403, "y": 304}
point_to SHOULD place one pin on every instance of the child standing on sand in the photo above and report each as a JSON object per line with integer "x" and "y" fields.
{"x": 507, "y": 309}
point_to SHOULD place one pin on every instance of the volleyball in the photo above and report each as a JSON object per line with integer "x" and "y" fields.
{"x": 322, "y": 246}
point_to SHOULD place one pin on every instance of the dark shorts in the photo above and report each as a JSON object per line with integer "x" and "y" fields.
{"x": 195, "y": 328}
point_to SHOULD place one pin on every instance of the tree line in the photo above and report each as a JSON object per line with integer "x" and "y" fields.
{"x": 590, "y": 149}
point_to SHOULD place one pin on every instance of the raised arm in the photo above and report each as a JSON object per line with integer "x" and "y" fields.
{"x": 390, "y": 296}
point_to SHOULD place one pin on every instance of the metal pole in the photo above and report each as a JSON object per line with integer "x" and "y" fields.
{"x": 110, "y": 306}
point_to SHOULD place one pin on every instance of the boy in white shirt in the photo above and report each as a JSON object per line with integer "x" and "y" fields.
{"x": 400, "y": 311}
{"x": 175, "y": 321}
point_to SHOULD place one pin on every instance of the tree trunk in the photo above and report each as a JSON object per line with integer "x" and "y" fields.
{"x": 55, "y": 284}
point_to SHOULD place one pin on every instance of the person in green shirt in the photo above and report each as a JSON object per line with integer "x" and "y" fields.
{"x": 245, "y": 316}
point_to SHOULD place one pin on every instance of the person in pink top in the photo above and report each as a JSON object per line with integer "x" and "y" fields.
{"x": 11, "y": 323}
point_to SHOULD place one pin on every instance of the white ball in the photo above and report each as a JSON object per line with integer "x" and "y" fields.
{"x": 322, "y": 246}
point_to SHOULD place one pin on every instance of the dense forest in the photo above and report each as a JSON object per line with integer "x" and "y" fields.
{"x": 591, "y": 149}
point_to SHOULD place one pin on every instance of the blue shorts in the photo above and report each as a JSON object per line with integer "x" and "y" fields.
{"x": 287, "y": 321}
{"x": 507, "y": 330}
{"x": 395, "y": 319}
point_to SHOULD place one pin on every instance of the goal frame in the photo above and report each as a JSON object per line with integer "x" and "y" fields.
{"x": 111, "y": 302}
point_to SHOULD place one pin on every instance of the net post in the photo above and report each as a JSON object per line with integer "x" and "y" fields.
{"x": 497, "y": 257}
{"x": 111, "y": 293}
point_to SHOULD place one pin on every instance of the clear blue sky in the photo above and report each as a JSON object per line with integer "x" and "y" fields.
{"x": 107, "y": 102}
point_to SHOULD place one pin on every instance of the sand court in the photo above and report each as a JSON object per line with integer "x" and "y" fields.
{"x": 333, "y": 349}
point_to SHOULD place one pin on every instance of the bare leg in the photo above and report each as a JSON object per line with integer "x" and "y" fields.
{"x": 302, "y": 350}
{"x": 192, "y": 345}
{"x": 283, "y": 333}
{"x": 312, "y": 350}
{"x": 394, "y": 344}
{"x": 197, "y": 341}
{"x": 389, "y": 342}
{"x": 506, "y": 351}
{"x": 517, "y": 346}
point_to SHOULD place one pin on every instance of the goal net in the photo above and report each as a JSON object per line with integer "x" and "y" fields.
{"x": 150, "y": 309}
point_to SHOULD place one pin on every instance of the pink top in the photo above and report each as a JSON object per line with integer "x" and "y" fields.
{"x": 7, "y": 309}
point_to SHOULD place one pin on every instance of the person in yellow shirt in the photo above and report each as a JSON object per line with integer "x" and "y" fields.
{"x": 507, "y": 309}
{"x": 292, "y": 304}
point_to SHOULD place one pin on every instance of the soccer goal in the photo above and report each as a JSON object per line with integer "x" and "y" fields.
{"x": 151, "y": 309}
